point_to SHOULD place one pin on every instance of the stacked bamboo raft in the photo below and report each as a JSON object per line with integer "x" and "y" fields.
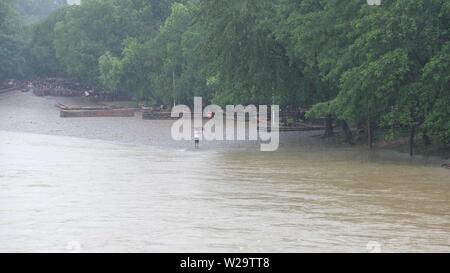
{"x": 94, "y": 111}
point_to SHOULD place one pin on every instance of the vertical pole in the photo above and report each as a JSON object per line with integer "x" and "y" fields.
{"x": 273, "y": 110}
{"x": 174, "y": 88}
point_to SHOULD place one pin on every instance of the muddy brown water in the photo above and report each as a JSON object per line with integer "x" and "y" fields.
{"x": 64, "y": 191}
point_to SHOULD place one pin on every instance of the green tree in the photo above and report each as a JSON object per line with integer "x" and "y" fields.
{"x": 183, "y": 72}
{"x": 95, "y": 27}
{"x": 316, "y": 38}
{"x": 39, "y": 52}
{"x": 11, "y": 60}
{"x": 33, "y": 11}
{"x": 436, "y": 78}
{"x": 384, "y": 63}
{"x": 248, "y": 64}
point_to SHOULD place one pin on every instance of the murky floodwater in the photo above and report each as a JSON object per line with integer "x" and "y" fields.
{"x": 61, "y": 194}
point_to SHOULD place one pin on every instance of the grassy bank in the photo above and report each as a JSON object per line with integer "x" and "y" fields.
{"x": 400, "y": 143}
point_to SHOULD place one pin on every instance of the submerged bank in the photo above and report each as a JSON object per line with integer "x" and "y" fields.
{"x": 25, "y": 112}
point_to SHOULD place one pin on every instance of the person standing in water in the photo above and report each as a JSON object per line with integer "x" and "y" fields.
{"x": 197, "y": 135}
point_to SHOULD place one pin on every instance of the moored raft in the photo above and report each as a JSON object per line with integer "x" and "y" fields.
{"x": 126, "y": 112}
{"x": 8, "y": 90}
{"x": 157, "y": 115}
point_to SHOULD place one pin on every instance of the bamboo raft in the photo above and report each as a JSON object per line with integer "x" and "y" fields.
{"x": 157, "y": 115}
{"x": 165, "y": 115}
{"x": 94, "y": 111}
{"x": 9, "y": 90}
{"x": 97, "y": 113}
{"x": 305, "y": 128}
{"x": 66, "y": 107}
{"x": 57, "y": 92}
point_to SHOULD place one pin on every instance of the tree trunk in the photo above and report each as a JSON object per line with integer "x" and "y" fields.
{"x": 328, "y": 127}
{"x": 347, "y": 132}
{"x": 411, "y": 141}
{"x": 369, "y": 134}
{"x": 426, "y": 139}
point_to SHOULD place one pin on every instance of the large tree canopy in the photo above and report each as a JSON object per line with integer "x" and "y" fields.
{"x": 10, "y": 41}
{"x": 35, "y": 10}
{"x": 375, "y": 68}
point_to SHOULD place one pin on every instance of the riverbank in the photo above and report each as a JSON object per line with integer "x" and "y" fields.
{"x": 400, "y": 144}
{"x": 25, "y": 112}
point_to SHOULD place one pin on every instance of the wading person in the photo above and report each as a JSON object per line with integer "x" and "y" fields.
{"x": 197, "y": 133}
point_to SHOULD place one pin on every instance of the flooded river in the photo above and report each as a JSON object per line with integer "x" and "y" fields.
{"x": 59, "y": 193}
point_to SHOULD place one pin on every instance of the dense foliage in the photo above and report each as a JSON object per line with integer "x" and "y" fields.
{"x": 10, "y": 41}
{"x": 35, "y": 10}
{"x": 366, "y": 67}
